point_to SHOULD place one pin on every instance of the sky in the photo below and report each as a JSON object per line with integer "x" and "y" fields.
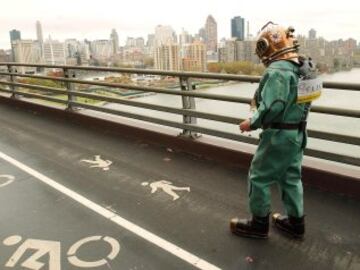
{"x": 94, "y": 19}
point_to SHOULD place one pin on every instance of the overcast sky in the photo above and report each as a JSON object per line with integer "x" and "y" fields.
{"x": 94, "y": 19}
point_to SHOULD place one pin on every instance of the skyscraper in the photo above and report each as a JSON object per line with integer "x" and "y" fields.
{"x": 312, "y": 34}
{"x": 166, "y": 57}
{"x": 39, "y": 32}
{"x": 150, "y": 41}
{"x": 14, "y": 35}
{"x": 25, "y": 51}
{"x": 164, "y": 35}
{"x": 238, "y": 28}
{"x": 114, "y": 37}
{"x": 54, "y": 52}
{"x": 102, "y": 49}
{"x": 202, "y": 34}
{"x": 211, "y": 34}
{"x": 140, "y": 43}
{"x": 40, "y": 39}
{"x": 130, "y": 42}
{"x": 184, "y": 38}
{"x": 194, "y": 57}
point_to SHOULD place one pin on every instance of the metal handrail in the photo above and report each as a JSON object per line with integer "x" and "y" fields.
{"x": 201, "y": 75}
{"x": 243, "y": 78}
{"x": 141, "y": 88}
{"x": 221, "y": 118}
{"x": 317, "y": 109}
{"x": 32, "y": 95}
{"x": 187, "y": 112}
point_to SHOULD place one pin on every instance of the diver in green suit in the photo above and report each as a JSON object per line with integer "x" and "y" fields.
{"x": 280, "y": 151}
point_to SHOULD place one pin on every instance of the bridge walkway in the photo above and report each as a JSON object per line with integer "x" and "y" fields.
{"x": 56, "y": 196}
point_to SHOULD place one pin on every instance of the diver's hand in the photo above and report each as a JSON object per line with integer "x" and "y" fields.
{"x": 245, "y": 125}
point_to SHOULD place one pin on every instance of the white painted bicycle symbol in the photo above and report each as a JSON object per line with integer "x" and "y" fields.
{"x": 8, "y": 179}
{"x": 53, "y": 249}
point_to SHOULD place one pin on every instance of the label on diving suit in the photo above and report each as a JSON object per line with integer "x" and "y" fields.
{"x": 309, "y": 90}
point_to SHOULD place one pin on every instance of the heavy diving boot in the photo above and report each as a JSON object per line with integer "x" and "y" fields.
{"x": 257, "y": 227}
{"x": 294, "y": 227}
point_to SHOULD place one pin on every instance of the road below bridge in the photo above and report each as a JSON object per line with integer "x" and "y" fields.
{"x": 75, "y": 198}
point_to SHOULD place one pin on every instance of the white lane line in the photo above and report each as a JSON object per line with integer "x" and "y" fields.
{"x": 152, "y": 238}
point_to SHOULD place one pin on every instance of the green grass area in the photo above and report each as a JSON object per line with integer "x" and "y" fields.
{"x": 60, "y": 97}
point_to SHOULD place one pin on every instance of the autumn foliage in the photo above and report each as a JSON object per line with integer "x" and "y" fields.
{"x": 241, "y": 67}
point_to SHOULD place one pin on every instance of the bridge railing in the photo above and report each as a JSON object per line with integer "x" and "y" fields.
{"x": 188, "y": 111}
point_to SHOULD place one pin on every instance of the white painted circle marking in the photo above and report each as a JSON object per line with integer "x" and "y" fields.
{"x": 74, "y": 260}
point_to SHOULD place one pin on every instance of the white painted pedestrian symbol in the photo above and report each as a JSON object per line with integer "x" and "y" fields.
{"x": 6, "y": 179}
{"x": 98, "y": 163}
{"x": 53, "y": 249}
{"x": 42, "y": 248}
{"x": 167, "y": 187}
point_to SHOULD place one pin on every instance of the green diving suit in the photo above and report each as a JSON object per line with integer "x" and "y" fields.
{"x": 279, "y": 155}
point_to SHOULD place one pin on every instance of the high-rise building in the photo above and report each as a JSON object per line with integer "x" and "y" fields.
{"x": 238, "y": 50}
{"x": 312, "y": 34}
{"x": 54, "y": 52}
{"x": 164, "y": 35}
{"x": 202, "y": 34}
{"x": 211, "y": 34}
{"x": 150, "y": 41}
{"x": 227, "y": 53}
{"x": 248, "y": 35}
{"x": 84, "y": 51}
{"x": 140, "y": 43}
{"x": 114, "y": 37}
{"x": 167, "y": 57}
{"x": 4, "y": 56}
{"x": 194, "y": 57}
{"x": 238, "y": 28}
{"x": 39, "y": 32}
{"x": 71, "y": 47}
{"x": 130, "y": 42}
{"x": 185, "y": 38}
{"x": 150, "y": 46}
{"x": 245, "y": 51}
{"x": 14, "y": 35}
{"x": 40, "y": 38}
{"x": 26, "y": 51}
{"x": 102, "y": 49}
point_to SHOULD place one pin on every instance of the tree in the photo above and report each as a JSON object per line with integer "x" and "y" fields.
{"x": 149, "y": 62}
{"x": 214, "y": 67}
{"x": 336, "y": 62}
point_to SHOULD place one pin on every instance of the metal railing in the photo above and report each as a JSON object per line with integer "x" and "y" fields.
{"x": 188, "y": 111}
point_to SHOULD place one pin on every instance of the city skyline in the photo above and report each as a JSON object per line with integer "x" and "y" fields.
{"x": 62, "y": 23}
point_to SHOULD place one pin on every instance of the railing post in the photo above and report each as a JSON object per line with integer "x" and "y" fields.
{"x": 188, "y": 104}
{"x": 12, "y": 79}
{"x": 69, "y": 74}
